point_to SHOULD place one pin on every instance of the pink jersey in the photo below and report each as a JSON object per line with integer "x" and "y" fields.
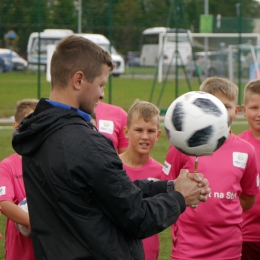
{"x": 12, "y": 189}
{"x": 251, "y": 217}
{"x": 151, "y": 171}
{"x": 110, "y": 122}
{"x": 212, "y": 231}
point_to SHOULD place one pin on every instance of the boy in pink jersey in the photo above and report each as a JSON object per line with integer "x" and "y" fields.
{"x": 110, "y": 121}
{"x": 251, "y": 218}
{"x": 213, "y": 230}
{"x": 143, "y": 131}
{"x": 12, "y": 191}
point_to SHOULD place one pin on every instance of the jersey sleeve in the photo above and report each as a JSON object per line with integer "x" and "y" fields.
{"x": 6, "y": 182}
{"x": 173, "y": 163}
{"x": 250, "y": 179}
{"x": 122, "y": 140}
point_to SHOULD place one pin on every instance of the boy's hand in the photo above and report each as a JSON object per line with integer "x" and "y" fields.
{"x": 193, "y": 187}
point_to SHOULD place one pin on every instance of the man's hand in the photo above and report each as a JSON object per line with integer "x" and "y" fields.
{"x": 193, "y": 187}
{"x": 202, "y": 183}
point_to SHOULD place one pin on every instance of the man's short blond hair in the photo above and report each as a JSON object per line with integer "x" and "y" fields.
{"x": 213, "y": 85}
{"x": 23, "y": 108}
{"x": 252, "y": 87}
{"x": 144, "y": 110}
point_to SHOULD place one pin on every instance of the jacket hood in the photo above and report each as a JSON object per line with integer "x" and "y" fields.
{"x": 34, "y": 129}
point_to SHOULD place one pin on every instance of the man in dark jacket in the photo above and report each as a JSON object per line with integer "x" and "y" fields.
{"x": 82, "y": 204}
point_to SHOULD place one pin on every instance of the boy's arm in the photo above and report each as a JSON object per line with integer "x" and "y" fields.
{"x": 15, "y": 213}
{"x": 246, "y": 201}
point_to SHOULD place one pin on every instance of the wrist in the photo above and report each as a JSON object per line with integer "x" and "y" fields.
{"x": 170, "y": 186}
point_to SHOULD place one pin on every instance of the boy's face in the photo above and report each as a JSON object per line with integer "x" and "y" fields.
{"x": 142, "y": 135}
{"x": 252, "y": 111}
{"x": 230, "y": 105}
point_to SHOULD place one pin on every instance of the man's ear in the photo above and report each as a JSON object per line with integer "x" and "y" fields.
{"x": 77, "y": 79}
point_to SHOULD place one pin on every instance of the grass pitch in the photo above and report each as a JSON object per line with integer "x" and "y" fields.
{"x": 123, "y": 91}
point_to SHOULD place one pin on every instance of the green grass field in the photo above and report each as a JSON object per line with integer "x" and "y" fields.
{"x": 17, "y": 86}
{"x": 123, "y": 91}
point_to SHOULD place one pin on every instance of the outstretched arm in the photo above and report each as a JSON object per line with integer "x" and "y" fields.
{"x": 151, "y": 188}
{"x": 185, "y": 178}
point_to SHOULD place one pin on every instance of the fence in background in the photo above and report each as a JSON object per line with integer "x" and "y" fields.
{"x": 123, "y": 21}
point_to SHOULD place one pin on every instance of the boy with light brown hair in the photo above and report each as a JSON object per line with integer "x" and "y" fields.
{"x": 12, "y": 191}
{"x": 143, "y": 131}
{"x": 23, "y": 108}
{"x": 231, "y": 171}
{"x": 251, "y": 223}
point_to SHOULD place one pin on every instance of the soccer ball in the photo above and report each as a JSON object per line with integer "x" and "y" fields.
{"x": 197, "y": 123}
{"x": 23, "y": 229}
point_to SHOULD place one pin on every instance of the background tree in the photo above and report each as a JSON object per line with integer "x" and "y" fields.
{"x": 227, "y": 10}
{"x": 130, "y": 17}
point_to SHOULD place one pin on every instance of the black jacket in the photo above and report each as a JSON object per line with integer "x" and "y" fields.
{"x": 82, "y": 204}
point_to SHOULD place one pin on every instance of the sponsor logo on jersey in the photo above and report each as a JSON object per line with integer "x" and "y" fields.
{"x": 240, "y": 159}
{"x": 166, "y": 168}
{"x": 2, "y": 190}
{"x": 106, "y": 126}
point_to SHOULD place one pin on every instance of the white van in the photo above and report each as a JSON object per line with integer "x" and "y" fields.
{"x": 160, "y": 42}
{"x": 47, "y": 37}
{"x": 103, "y": 42}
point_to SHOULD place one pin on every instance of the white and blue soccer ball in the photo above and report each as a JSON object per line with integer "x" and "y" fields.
{"x": 23, "y": 229}
{"x": 197, "y": 123}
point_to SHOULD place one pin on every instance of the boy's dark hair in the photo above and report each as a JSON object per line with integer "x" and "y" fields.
{"x": 75, "y": 53}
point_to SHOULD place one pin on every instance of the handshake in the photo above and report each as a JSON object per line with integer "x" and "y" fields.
{"x": 193, "y": 186}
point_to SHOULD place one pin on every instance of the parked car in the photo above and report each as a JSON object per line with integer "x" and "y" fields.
{"x": 12, "y": 61}
{"x": 133, "y": 59}
{"x": 4, "y": 66}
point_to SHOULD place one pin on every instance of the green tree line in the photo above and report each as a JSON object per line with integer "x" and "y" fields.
{"x": 120, "y": 20}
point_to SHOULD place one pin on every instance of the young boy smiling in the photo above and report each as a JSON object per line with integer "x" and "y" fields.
{"x": 251, "y": 223}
